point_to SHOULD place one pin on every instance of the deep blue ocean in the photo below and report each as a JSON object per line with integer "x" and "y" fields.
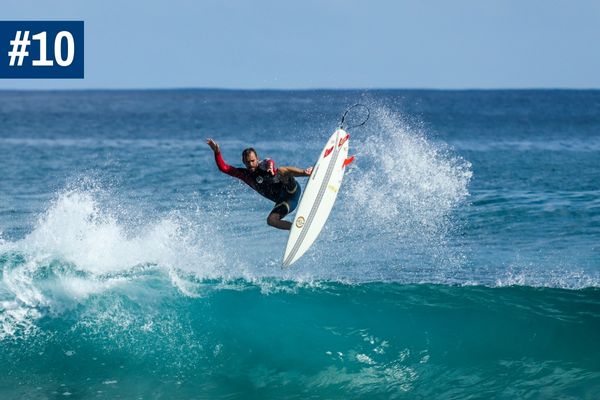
{"x": 461, "y": 260}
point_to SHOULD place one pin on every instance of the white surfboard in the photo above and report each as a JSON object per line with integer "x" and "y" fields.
{"x": 318, "y": 196}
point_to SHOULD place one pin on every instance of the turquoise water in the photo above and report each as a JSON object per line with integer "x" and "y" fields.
{"x": 462, "y": 258}
{"x": 280, "y": 339}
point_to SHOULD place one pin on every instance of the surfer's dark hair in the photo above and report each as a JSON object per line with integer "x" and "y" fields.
{"x": 248, "y": 151}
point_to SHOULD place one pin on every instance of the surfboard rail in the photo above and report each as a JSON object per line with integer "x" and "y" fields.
{"x": 319, "y": 196}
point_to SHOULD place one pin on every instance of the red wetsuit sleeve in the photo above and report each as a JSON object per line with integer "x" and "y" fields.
{"x": 229, "y": 170}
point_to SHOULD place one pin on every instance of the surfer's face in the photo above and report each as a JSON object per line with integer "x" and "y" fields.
{"x": 251, "y": 161}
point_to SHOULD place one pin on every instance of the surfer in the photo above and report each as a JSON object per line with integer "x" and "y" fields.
{"x": 276, "y": 184}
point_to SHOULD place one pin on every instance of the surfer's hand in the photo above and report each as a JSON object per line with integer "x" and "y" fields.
{"x": 308, "y": 171}
{"x": 213, "y": 145}
{"x": 271, "y": 167}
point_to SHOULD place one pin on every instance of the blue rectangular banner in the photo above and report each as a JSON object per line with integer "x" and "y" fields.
{"x": 41, "y": 49}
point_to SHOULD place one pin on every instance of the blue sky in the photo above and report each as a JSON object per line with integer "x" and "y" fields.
{"x": 327, "y": 44}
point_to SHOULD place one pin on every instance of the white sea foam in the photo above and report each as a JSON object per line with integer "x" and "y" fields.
{"x": 404, "y": 190}
{"x": 558, "y": 277}
{"x": 405, "y": 179}
{"x": 78, "y": 249}
{"x": 77, "y": 230}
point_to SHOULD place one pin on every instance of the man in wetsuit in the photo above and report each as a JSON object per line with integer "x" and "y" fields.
{"x": 276, "y": 184}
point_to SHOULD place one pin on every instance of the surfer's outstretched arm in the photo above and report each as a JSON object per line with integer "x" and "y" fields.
{"x": 222, "y": 165}
{"x": 294, "y": 171}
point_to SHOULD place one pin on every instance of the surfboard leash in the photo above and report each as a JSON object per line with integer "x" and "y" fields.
{"x": 346, "y": 113}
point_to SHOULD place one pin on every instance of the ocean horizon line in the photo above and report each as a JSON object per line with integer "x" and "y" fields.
{"x": 316, "y": 89}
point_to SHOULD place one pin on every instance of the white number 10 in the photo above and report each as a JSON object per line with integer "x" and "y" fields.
{"x": 43, "y": 61}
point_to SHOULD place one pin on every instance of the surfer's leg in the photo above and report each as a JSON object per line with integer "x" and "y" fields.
{"x": 275, "y": 217}
{"x": 294, "y": 198}
{"x": 275, "y": 220}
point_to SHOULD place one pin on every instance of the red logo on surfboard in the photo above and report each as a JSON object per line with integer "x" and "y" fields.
{"x": 343, "y": 140}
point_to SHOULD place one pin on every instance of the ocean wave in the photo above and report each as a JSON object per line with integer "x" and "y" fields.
{"x": 376, "y": 339}
{"x": 34, "y": 288}
{"x": 82, "y": 249}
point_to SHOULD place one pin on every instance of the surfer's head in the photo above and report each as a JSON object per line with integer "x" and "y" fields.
{"x": 250, "y": 159}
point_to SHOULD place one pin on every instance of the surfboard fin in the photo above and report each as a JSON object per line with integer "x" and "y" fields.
{"x": 348, "y": 161}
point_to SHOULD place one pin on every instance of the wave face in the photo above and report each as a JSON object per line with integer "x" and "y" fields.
{"x": 460, "y": 261}
{"x": 119, "y": 333}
